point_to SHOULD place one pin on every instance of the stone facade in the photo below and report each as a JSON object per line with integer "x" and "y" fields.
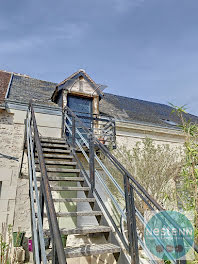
{"x": 129, "y": 133}
{"x": 14, "y": 192}
{"x": 11, "y": 142}
{"x": 14, "y": 196}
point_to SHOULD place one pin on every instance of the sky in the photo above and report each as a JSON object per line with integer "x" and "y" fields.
{"x": 144, "y": 49}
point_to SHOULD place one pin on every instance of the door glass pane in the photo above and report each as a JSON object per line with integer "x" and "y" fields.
{"x": 82, "y": 107}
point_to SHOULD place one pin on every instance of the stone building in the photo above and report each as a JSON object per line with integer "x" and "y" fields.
{"x": 134, "y": 120}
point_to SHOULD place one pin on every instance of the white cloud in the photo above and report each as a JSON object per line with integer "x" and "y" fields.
{"x": 70, "y": 32}
{"x": 19, "y": 44}
{"x": 122, "y": 6}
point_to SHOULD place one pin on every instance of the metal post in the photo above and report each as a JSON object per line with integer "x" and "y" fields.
{"x": 63, "y": 124}
{"x": 41, "y": 199}
{"x": 91, "y": 162}
{"x": 73, "y": 131}
{"x": 131, "y": 221}
{"x": 24, "y": 144}
{"x": 41, "y": 203}
{"x": 54, "y": 254}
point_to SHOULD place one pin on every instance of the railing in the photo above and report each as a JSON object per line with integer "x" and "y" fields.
{"x": 103, "y": 127}
{"x": 128, "y": 199}
{"x": 40, "y": 198}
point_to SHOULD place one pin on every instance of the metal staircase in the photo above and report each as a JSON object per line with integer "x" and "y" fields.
{"x": 70, "y": 195}
{"x": 58, "y": 160}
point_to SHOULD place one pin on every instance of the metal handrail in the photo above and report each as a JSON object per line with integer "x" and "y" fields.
{"x": 132, "y": 248}
{"x": 111, "y": 196}
{"x": 106, "y": 131}
{"x": 31, "y": 166}
{"x": 130, "y": 184}
{"x": 58, "y": 254}
{"x": 133, "y": 252}
{"x": 116, "y": 162}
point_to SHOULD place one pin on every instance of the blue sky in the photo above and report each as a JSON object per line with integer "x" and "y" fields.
{"x": 145, "y": 49}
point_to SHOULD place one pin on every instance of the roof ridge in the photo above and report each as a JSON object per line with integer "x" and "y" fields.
{"x": 75, "y": 73}
{"x": 16, "y": 73}
{"x": 5, "y": 71}
{"x": 29, "y": 77}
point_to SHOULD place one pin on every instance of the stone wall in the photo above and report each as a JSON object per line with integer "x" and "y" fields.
{"x": 129, "y": 134}
{"x": 11, "y": 141}
{"x": 14, "y": 196}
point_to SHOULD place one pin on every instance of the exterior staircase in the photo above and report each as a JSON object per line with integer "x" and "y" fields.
{"x": 65, "y": 177}
{"x": 67, "y": 198}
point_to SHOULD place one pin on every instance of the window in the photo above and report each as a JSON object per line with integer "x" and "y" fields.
{"x": 170, "y": 122}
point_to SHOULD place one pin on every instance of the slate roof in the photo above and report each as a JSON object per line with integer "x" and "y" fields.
{"x": 140, "y": 111}
{"x": 24, "y": 88}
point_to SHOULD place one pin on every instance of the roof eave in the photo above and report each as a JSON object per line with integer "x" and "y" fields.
{"x": 97, "y": 89}
{"x": 54, "y": 95}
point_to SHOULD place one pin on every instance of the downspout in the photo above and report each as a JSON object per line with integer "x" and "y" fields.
{"x": 9, "y": 85}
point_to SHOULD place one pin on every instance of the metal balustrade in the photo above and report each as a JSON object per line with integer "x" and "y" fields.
{"x": 132, "y": 201}
{"x": 41, "y": 198}
{"x": 123, "y": 203}
{"x": 102, "y": 126}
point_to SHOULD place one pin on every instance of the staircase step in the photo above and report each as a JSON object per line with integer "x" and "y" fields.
{"x": 56, "y": 156}
{"x": 58, "y": 178}
{"x": 62, "y": 178}
{"x": 84, "y": 230}
{"x": 80, "y": 213}
{"x": 64, "y": 188}
{"x": 53, "y": 140}
{"x": 51, "y": 150}
{"x": 89, "y": 250}
{"x": 54, "y": 145}
{"x": 75, "y": 200}
{"x": 61, "y": 163}
{"x": 49, "y": 169}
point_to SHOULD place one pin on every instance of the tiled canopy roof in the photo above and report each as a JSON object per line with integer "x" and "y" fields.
{"x": 133, "y": 110}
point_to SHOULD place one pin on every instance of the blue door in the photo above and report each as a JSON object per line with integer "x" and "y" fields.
{"x": 82, "y": 107}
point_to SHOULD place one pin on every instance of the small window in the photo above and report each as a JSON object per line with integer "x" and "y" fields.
{"x": 167, "y": 121}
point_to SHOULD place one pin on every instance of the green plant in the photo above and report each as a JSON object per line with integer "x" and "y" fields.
{"x": 154, "y": 166}
{"x": 5, "y": 244}
{"x": 189, "y": 179}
